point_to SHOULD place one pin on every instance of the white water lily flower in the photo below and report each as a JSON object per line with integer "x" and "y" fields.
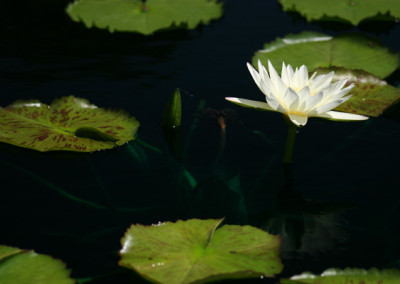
{"x": 297, "y": 96}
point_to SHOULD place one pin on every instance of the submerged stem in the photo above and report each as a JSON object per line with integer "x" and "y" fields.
{"x": 287, "y": 158}
{"x": 222, "y": 143}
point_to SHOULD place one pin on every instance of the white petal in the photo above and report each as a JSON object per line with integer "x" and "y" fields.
{"x": 278, "y": 88}
{"x": 289, "y": 98}
{"x": 298, "y": 120}
{"x": 337, "y": 86}
{"x": 249, "y": 103}
{"x": 263, "y": 72}
{"x": 285, "y": 75}
{"x": 303, "y": 76}
{"x": 322, "y": 81}
{"x": 304, "y": 94}
{"x": 312, "y": 78}
{"x": 311, "y": 102}
{"x": 290, "y": 73}
{"x": 327, "y": 107}
{"x": 254, "y": 74}
{"x": 276, "y": 105}
{"x": 338, "y": 115}
{"x": 338, "y": 94}
{"x": 264, "y": 88}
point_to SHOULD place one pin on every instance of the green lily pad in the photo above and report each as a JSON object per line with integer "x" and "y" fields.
{"x": 69, "y": 123}
{"x": 353, "y": 11}
{"x": 144, "y": 17}
{"x": 195, "y": 250}
{"x": 28, "y": 267}
{"x": 336, "y": 276}
{"x": 6, "y": 251}
{"x": 370, "y": 95}
{"x": 351, "y": 51}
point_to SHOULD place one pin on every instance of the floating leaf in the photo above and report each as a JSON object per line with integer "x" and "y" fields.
{"x": 351, "y": 51}
{"x": 195, "y": 250}
{"x": 353, "y": 11}
{"x": 69, "y": 123}
{"x": 144, "y": 17}
{"x": 6, "y": 251}
{"x": 336, "y": 276}
{"x": 28, "y": 267}
{"x": 370, "y": 95}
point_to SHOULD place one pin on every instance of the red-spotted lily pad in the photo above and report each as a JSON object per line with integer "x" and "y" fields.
{"x": 336, "y": 276}
{"x": 196, "y": 251}
{"x": 27, "y": 267}
{"x": 370, "y": 95}
{"x": 69, "y": 123}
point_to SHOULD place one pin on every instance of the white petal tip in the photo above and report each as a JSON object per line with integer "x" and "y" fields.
{"x": 298, "y": 120}
{"x": 338, "y": 115}
{"x": 231, "y": 99}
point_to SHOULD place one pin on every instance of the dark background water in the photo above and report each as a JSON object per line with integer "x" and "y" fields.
{"x": 340, "y": 208}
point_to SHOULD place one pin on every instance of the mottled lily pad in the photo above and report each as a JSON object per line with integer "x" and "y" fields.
{"x": 28, "y": 267}
{"x": 335, "y": 276}
{"x": 195, "y": 250}
{"x": 69, "y": 123}
{"x": 353, "y": 11}
{"x": 370, "y": 95}
{"x": 144, "y": 17}
{"x": 351, "y": 51}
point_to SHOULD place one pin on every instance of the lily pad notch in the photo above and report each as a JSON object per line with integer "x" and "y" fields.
{"x": 68, "y": 124}
{"x": 198, "y": 251}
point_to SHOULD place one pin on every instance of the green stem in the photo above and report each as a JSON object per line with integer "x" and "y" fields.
{"x": 147, "y": 145}
{"x": 189, "y": 136}
{"x": 75, "y": 198}
{"x": 287, "y": 158}
{"x": 222, "y": 143}
{"x": 56, "y": 188}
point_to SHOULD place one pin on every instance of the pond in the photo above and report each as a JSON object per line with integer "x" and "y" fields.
{"x": 337, "y": 206}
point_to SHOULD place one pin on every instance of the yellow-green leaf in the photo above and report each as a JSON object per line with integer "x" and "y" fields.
{"x": 353, "y": 11}
{"x": 69, "y": 123}
{"x": 370, "y": 95}
{"x": 348, "y": 275}
{"x": 27, "y": 267}
{"x": 144, "y": 17}
{"x": 195, "y": 250}
{"x": 351, "y": 51}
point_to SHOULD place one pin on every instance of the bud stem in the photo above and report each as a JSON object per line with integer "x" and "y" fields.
{"x": 292, "y": 129}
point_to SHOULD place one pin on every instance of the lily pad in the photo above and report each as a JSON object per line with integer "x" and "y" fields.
{"x": 351, "y": 51}
{"x": 28, "y": 267}
{"x": 195, "y": 250}
{"x": 69, "y": 123}
{"x": 144, "y": 17}
{"x": 353, "y": 11}
{"x": 334, "y": 276}
{"x": 370, "y": 95}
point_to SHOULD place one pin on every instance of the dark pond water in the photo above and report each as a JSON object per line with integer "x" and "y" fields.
{"x": 340, "y": 207}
